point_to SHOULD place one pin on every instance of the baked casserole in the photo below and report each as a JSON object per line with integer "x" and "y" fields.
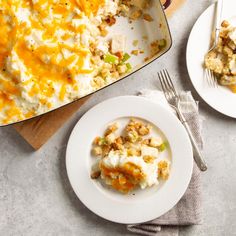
{"x": 53, "y": 52}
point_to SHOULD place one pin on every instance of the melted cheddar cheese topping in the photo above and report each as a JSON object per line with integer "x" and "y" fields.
{"x": 124, "y": 178}
{"x": 89, "y": 6}
{"x": 45, "y": 56}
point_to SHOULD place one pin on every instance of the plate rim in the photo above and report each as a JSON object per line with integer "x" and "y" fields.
{"x": 186, "y": 181}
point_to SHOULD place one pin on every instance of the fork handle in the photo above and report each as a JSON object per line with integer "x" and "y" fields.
{"x": 198, "y": 157}
{"x": 219, "y": 11}
{"x": 196, "y": 151}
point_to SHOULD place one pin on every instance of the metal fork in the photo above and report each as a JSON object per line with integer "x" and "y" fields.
{"x": 208, "y": 74}
{"x": 173, "y": 99}
{"x": 210, "y": 78}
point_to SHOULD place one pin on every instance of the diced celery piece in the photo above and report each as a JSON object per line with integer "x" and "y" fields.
{"x": 162, "y": 43}
{"x": 162, "y": 147}
{"x": 126, "y": 57}
{"x": 102, "y": 141}
{"x": 111, "y": 59}
{"x": 129, "y": 67}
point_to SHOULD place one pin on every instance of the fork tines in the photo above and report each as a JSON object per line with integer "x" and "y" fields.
{"x": 167, "y": 85}
{"x": 210, "y": 78}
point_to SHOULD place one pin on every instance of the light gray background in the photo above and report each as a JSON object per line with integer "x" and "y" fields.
{"x": 36, "y": 197}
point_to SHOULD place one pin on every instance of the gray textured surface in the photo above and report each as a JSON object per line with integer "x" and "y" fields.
{"x": 36, "y": 198}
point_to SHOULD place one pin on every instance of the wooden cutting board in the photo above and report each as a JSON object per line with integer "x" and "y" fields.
{"x": 173, "y": 7}
{"x": 39, "y": 130}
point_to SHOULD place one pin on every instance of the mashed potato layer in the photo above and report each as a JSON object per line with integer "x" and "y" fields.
{"x": 53, "y": 52}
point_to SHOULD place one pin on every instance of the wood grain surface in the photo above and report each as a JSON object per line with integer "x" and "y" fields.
{"x": 174, "y": 6}
{"x": 39, "y": 130}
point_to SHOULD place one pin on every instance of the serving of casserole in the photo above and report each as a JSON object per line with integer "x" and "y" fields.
{"x": 56, "y": 51}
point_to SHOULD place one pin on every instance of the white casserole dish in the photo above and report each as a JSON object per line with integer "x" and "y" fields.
{"x": 145, "y": 33}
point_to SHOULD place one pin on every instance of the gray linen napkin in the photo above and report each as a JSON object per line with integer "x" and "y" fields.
{"x": 188, "y": 210}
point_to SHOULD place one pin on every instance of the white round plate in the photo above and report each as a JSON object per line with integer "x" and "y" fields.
{"x": 143, "y": 205}
{"x": 220, "y": 98}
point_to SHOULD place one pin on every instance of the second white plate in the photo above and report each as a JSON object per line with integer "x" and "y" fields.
{"x": 144, "y": 205}
{"x": 221, "y": 98}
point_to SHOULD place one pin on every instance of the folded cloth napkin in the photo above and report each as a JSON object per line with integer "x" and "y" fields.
{"x": 188, "y": 210}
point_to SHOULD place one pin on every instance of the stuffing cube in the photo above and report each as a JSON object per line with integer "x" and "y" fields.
{"x": 118, "y": 44}
{"x": 144, "y": 130}
{"x": 97, "y": 151}
{"x": 110, "y": 138}
{"x": 232, "y": 36}
{"x": 156, "y": 142}
{"x": 149, "y": 151}
{"x": 135, "y": 15}
{"x": 122, "y": 69}
{"x": 164, "y": 169}
{"x": 232, "y": 65}
{"x": 112, "y": 128}
{"x": 132, "y": 136}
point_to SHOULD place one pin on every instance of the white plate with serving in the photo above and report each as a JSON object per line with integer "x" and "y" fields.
{"x": 141, "y": 205}
{"x": 220, "y": 98}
